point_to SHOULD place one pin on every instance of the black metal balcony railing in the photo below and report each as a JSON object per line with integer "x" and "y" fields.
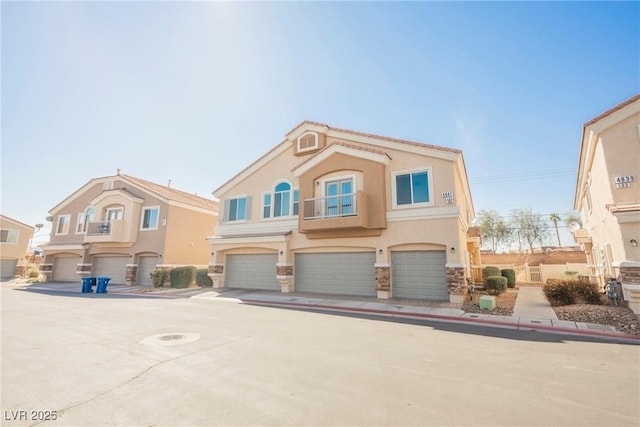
{"x": 330, "y": 206}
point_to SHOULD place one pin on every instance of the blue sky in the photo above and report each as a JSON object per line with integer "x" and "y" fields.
{"x": 194, "y": 92}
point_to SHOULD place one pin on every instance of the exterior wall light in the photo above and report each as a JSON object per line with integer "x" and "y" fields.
{"x": 380, "y": 251}
{"x": 453, "y": 250}
{"x": 634, "y": 242}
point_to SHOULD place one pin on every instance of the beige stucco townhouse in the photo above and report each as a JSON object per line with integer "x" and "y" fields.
{"x": 608, "y": 197}
{"x": 14, "y": 242}
{"x": 125, "y": 227}
{"x": 336, "y": 211}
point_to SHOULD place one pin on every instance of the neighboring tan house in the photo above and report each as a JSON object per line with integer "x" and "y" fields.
{"x": 14, "y": 242}
{"x": 608, "y": 197}
{"x": 124, "y": 228}
{"x": 336, "y": 211}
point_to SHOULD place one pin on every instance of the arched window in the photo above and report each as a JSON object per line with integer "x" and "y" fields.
{"x": 282, "y": 199}
{"x": 281, "y": 202}
{"x": 84, "y": 218}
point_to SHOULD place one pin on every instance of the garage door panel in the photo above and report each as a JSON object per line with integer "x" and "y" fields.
{"x": 113, "y": 267}
{"x": 64, "y": 269}
{"x": 146, "y": 265}
{"x": 350, "y": 273}
{"x": 252, "y": 271}
{"x": 419, "y": 274}
{"x": 8, "y": 268}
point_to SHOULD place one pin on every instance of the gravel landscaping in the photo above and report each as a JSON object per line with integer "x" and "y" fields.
{"x": 620, "y": 317}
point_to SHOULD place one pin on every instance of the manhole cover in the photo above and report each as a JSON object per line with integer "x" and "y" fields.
{"x": 170, "y": 339}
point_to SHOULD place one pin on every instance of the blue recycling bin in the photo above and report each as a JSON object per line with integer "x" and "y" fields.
{"x": 102, "y": 285}
{"x": 87, "y": 284}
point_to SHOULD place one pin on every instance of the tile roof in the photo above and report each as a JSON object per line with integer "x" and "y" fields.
{"x": 171, "y": 193}
{"x": 347, "y": 131}
{"x": 16, "y": 221}
{"x": 473, "y": 232}
{"x": 613, "y": 110}
{"x": 372, "y": 135}
{"x": 343, "y": 144}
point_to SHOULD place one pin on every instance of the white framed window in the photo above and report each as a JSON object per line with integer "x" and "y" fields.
{"x": 84, "y": 218}
{"x": 307, "y": 141}
{"x": 339, "y": 197}
{"x": 266, "y": 205}
{"x": 283, "y": 201}
{"x": 115, "y": 214}
{"x": 412, "y": 188}
{"x": 149, "y": 218}
{"x": 64, "y": 221}
{"x": 237, "y": 209}
{"x": 9, "y": 236}
{"x": 107, "y": 185}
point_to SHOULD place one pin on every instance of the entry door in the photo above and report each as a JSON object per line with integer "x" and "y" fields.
{"x": 339, "y": 197}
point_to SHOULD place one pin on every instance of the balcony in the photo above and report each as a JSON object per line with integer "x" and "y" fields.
{"x": 106, "y": 231}
{"x": 345, "y": 211}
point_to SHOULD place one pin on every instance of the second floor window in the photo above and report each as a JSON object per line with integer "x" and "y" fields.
{"x": 9, "y": 236}
{"x": 114, "y": 214}
{"x": 237, "y": 209}
{"x": 63, "y": 224}
{"x": 150, "y": 218}
{"x": 412, "y": 188}
{"x": 84, "y": 218}
{"x": 282, "y": 202}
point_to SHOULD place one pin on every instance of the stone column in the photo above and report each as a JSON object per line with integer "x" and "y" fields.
{"x": 383, "y": 280}
{"x": 83, "y": 270}
{"x": 630, "y": 279}
{"x": 456, "y": 284}
{"x": 284, "y": 274}
{"x": 216, "y": 273}
{"x": 46, "y": 270}
{"x": 132, "y": 273}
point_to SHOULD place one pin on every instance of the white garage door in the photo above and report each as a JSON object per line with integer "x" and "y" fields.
{"x": 419, "y": 274}
{"x": 251, "y": 271}
{"x": 146, "y": 265}
{"x": 8, "y": 268}
{"x": 64, "y": 269}
{"x": 345, "y": 273}
{"x": 114, "y": 267}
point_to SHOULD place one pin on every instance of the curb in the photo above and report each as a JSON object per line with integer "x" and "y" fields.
{"x": 618, "y": 336}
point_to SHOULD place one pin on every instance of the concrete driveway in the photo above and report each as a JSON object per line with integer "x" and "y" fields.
{"x": 135, "y": 361}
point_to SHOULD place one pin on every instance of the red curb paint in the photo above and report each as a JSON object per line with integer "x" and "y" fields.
{"x": 515, "y": 325}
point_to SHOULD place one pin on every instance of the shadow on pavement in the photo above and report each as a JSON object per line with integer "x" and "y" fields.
{"x": 93, "y": 294}
{"x": 467, "y": 328}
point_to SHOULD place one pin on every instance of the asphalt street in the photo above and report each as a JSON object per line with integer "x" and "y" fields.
{"x": 90, "y": 360}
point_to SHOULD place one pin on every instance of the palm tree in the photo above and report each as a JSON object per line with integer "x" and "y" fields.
{"x": 555, "y": 218}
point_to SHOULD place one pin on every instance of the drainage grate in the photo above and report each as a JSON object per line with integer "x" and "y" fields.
{"x": 170, "y": 339}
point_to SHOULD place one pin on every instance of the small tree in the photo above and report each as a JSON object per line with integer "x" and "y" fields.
{"x": 531, "y": 225}
{"x": 493, "y": 228}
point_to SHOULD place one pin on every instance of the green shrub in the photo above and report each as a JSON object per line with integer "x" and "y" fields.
{"x": 571, "y": 274}
{"x": 495, "y": 285}
{"x": 490, "y": 271}
{"x": 510, "y": 274}
{"x": 182, "y": 277}
{"x": 159, "y": 277}
{"x": 33, "y": 274}
{"x": 566, "y": 292}
{"x": 202, "y": 278}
